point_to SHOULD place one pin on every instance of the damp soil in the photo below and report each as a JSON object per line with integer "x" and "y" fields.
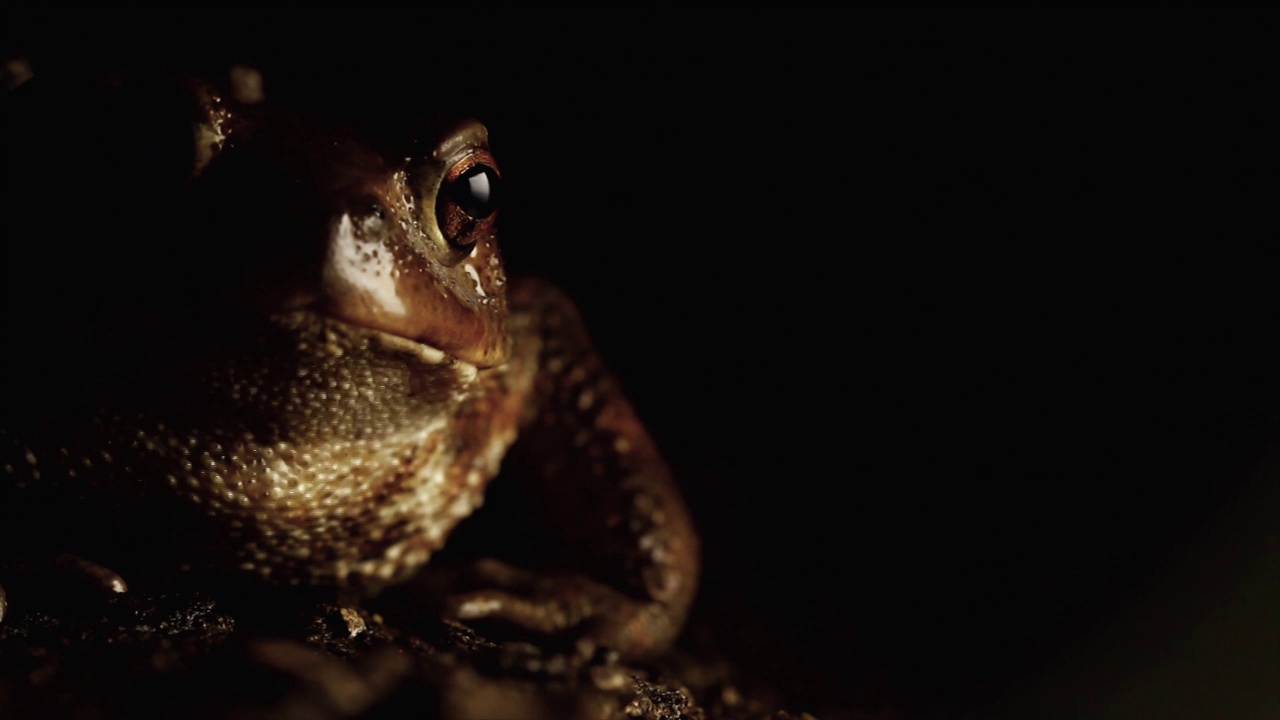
{"x": 192, "y": 654}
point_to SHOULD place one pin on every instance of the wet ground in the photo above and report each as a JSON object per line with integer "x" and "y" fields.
{"x": 189, "y": 655}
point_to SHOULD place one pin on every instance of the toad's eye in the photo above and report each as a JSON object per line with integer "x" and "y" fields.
{"x": 468, "y": 199}
{"x": 474, "y": 191}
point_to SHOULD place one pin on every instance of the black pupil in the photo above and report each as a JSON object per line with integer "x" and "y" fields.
{"x": 475, "y": 191}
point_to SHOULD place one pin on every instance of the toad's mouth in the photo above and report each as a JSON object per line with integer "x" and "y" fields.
{"x": 340, "y": 337}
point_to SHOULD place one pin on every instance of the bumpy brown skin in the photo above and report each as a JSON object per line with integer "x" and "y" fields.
{"x": 614, "y": 496}
{"x": 377, "y": 370}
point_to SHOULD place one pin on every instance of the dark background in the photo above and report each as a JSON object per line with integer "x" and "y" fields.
{"x": 951, "y": 318}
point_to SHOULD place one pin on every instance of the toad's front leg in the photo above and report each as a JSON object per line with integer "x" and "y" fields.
{"x": 606, "y": 489}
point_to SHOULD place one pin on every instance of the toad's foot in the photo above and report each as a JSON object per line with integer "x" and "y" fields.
{"x": 567, "y": 606}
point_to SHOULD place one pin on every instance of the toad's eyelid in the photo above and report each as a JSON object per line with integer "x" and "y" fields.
{"x": 469, "y": 137}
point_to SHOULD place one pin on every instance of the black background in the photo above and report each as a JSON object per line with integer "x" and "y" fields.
{"x": 952, "y": 319}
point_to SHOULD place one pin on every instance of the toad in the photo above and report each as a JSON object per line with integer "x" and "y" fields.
{"x": 295, "y": 354}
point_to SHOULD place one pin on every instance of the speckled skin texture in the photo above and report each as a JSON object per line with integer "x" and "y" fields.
{"x": 348, "y": 409}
